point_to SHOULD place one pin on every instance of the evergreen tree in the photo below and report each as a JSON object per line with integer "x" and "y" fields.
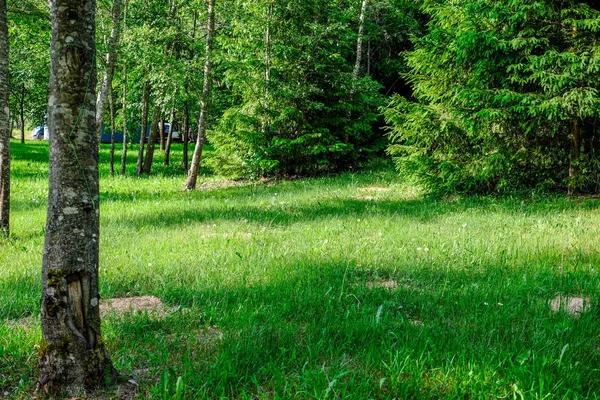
{"x": 507, "y": 97}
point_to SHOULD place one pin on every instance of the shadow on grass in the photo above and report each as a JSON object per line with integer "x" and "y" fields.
{"x": 430, "y": 330}
{"x": 422, "y": 210}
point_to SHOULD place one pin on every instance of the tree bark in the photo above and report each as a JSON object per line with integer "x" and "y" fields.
{"x": 22, "y": 110}
{"x": 145, "y": 106}
{"x": 124, "y": 152}
{"x": 109, "y": 72}
{"x": 152, "y": 140}
{"x": 170, "y": 136}
{"x": 359, "y": 41}
{"x": 575, "y": 156}
{"x": 112, "y": 131}
{"x": 192, "y": 178}
{"x": 5, "y": 125}
{"x": 161, "y": 134}
{"x": 185, "y": 135}
{"x": 72, "y": 356}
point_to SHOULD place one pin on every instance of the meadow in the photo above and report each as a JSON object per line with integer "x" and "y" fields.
{"x": 353, "y": 286}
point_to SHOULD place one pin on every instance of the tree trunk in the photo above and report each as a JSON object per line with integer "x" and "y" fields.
{"x": 185, "y": 135}
{"x": 22, "y": 110}
{"x": 124, "y": 152}
{"x": 170, "y": 136}
{"x": 359, "y": 41}
{"x": 152, "y": 140}
{"x": 192, "y": 178}
{"x": 111, "y": 98}
{"x": 5, "y": 125}
{"x": 72, "y": 356}
{"x": 575, "y": 156}
{"x": 161, "y": 134}
{"x": 109, "y": 72}
{"x": 145, "y": 105}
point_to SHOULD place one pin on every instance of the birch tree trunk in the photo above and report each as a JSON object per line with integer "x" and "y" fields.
{"x": 185, "y": 134}
{"x": 124, "y": 152}
{"x": 192, "y": 178}
{"x": 22, "y": 109}
{"x": 5, "y": 125}
{"x": 170, "y": 136}
{"x": 359, "y": 41}
{"x": 152, "y": 140}
{"x": 113, "y": 127}
{"x": 145, "y": 106}
{"x": 109, "y": 72}
{"x": 72, "y": 356}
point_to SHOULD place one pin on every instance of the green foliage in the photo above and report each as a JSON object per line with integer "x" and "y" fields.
{"x": 293, "y": 106}
{"x": 29, "y": 36}
{"x": 502, "y": 88}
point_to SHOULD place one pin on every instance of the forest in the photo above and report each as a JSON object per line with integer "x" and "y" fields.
{"x": 307, "y": 199}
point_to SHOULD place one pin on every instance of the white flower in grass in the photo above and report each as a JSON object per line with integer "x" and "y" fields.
{"x": 419, "y": 249}
{"x": 485, "y": 303}
{"x": 426, "y": 249}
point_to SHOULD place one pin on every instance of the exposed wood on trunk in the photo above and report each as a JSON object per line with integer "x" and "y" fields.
{"x": 145, "y": 106}
{"x": 575, "y": 156}
{"x": 72, "y": 355}
{"x": 124, "y": 152}
{"x": 192, "y": 178}
{"x": 170, "y": 136}
{"x": 109, "y": 72}
{"x": 5, "y": 125}
{"x": 152, "y": 140}
{"x": 111, "y": 98}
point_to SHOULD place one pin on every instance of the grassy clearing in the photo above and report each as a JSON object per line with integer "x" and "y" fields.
{"x": 339, "y": 287}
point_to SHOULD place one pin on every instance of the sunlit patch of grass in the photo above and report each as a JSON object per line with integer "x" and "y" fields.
{"x": 349, "y": 286}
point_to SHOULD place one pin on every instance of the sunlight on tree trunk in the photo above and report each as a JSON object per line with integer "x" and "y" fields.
{"x": 72, "y": 356}
{"x": 192, "y": 178}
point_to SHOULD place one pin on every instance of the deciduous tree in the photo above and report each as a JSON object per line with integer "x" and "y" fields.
{"x": 72, "y": 355}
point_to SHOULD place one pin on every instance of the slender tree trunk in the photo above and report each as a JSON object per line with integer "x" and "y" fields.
{"x": 5, "y": 125}
{"x": 359, "y": 41}
{"x": 124, "y": 152}
{"x": 170, "y": 136}
{"x": 161, "y": 134}
{"x": 109, "y": 72}
{"x": 192, "y": 178}
{"x": 145, "y": 105}
{"x": 111, "y": 105}
{"x": 268, "y": 47}
{"x": 22, "y": 110}
{"x": 185, "y": 135}
{"x": 575, "y": 155}
{"x": 72, "y": 355}
{"x": 152, "y": 140}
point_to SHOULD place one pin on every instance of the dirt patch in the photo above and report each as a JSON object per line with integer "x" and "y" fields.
{"x": 210, "y": 335}
{"x": 28, "y": 323}
{"x": 574, "y": 306}
{"x": 151, "y": 305}
{"x": 387, "y": 284}
{"x": 370, "y": 192}
{"x": 222, "y": 184}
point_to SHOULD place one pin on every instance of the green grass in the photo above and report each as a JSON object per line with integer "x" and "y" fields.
{"x": 294, "y": 275}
